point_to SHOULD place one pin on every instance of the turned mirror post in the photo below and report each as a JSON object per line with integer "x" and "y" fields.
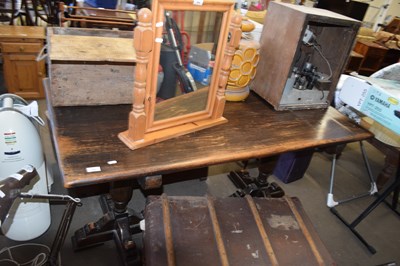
{"x": 143, "y": 41}
{"x": 148, "y": 123}
{"x": 235, "y": 34}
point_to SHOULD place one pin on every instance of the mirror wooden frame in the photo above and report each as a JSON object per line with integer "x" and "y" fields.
{"x": 143, "y": 130}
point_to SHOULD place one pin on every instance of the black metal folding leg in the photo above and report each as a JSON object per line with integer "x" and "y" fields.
{"x": 381, "y": 197}
{"x": 331, "y": 202}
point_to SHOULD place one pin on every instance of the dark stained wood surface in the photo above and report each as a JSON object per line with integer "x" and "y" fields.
{"x": 87, "y": 137}
{"x": 230, "y": 231}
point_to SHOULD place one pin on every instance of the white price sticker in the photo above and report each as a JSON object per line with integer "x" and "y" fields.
{"x": 93, "y": 169}
{"x": 198, "y": 2}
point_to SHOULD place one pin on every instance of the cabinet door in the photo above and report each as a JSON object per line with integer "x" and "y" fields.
{"x": 24, "y": 75}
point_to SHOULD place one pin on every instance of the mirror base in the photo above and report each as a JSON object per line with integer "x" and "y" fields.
{"x": 168, "y": 133}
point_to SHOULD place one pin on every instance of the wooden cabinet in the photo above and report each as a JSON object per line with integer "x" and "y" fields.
{"x": 303, "y": 52}
{"x": 354, "y": 62}
{"x": 373, "y": 53}
{"x": 20, "y": 46}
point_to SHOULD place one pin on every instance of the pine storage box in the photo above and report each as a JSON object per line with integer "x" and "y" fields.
{"x": 90, "y": 66}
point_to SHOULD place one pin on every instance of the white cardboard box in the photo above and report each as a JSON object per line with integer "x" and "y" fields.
{"x": 377, "y": 98}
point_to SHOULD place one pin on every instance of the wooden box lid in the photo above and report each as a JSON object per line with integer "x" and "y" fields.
{"x": 185, "y": 230}
{"x": 90, "y": 46}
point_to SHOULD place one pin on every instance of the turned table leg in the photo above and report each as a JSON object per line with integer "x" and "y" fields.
{"x": 117, "y": 224}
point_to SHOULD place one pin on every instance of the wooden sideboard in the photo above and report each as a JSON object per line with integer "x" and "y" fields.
{"x": 375, "y": 56}
{"x": 20, "y": 46}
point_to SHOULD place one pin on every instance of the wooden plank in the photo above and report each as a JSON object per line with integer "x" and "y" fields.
{"x": 200, "y": 30}
{"x": 167, "y": 229}
{"x": 261, "y": 229}
{"x": 91, "y": 49}
{"x": 217, "y": 232}
{"x": 91, "y": 84}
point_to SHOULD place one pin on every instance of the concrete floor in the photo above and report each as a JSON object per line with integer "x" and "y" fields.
{"x": 381, "y": 228}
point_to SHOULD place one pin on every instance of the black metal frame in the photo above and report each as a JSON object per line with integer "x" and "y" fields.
{"x": 381, "y": 197}
{"x": 64, "y": 225}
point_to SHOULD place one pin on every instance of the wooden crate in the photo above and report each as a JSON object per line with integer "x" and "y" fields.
{"x": 230, "y": 231}
{"x": 90, "y": 66}
{"x": 283, "y": 55}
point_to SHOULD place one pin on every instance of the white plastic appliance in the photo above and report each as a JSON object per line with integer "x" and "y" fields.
{"x": 20, "y": 145}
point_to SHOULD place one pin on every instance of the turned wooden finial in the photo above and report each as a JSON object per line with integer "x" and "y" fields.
{"x": 237, "y": 20}
{"x": 144, "y": 16}
{"x": 143, "y": 43}
{"x": 234, "y": 37}
{"x": 143, "y": 34}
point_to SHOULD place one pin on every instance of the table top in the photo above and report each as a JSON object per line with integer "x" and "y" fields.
{"x": 86, "y": 137}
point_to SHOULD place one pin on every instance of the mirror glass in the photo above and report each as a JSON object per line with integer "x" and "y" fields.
{"x": 189, "y": 42}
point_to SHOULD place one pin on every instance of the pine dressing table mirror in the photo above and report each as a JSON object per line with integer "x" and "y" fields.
{"x": 178, "y": 102}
